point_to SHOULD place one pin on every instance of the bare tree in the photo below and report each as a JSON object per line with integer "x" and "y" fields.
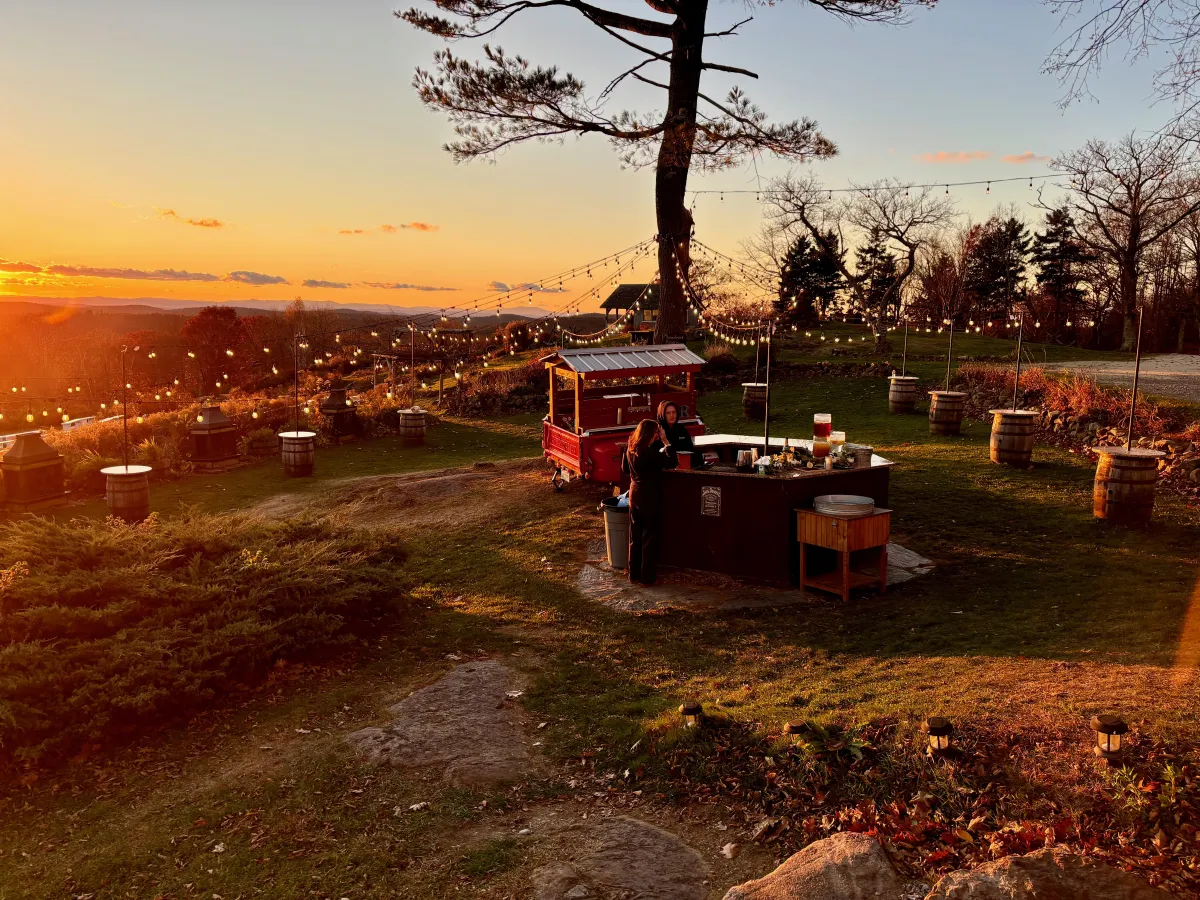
{"x": 1142, "y": 28}
{"x": 905, "y": 218}
{"x": 1125, "y": 196}
{"x": 941, "y": 277}
{"x": 506, "y": 100}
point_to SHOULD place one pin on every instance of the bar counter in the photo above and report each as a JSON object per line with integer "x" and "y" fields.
{"x": 743, "y": 525}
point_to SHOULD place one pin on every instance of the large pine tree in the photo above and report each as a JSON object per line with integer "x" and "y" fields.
{"x": 810, "y": 280}
{"x": 995, "y": 271}
{"x": 877, "y": 267}
{"x": 1060, "y": 258}
{"x": 505, "y": 99}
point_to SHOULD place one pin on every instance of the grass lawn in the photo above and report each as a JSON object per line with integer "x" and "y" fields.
{"x": 451, "y": 442}
{"x": 1036, "y": 617}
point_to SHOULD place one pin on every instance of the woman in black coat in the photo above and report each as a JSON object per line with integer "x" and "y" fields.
{"x": 675, "y": 431}
{"x": 647, "y": 456}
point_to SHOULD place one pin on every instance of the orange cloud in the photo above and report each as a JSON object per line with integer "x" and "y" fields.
{"x": 7, "y": 265}
{"x": 199, "y": 223}
{"x": 953, "y": 156}
{"x": 1020, "y": 159}
{"x": 414, "y": 226}
{"x": 240, "y": 276}
{"x": 351, "y": 231}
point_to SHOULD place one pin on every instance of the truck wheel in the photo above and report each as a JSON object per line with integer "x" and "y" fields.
{"x": 557, "y": 480}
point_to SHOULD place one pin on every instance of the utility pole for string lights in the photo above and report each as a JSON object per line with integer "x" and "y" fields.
{"x": 1137, "y": 368}
{"x": 412, "y": 363}
{"x": 125, "y": 409}
{"x": 297, "y": 340}
{"x": 767, "y": 398}
{"x": 950, "y": 353}
{"x": 1017, "y": 379}
{"x": 904, "y": 357}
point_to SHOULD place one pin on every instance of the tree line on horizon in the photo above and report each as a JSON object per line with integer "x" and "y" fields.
{"x": 1125, "y": 237}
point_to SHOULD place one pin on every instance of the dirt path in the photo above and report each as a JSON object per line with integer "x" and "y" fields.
{"x": 1174, "y": 375}
{"x": 441, "y": 497}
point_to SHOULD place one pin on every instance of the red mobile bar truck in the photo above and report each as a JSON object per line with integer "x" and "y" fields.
{"x": 599, "y": 394}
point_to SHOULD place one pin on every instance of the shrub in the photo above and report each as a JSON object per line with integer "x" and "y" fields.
{"x": 500, "y": 390}
{"x": 716, "y": 347}
{"x": 720, "y": 364}
{"x": 107, "y": 629}
{"x": 1069, "y": 393}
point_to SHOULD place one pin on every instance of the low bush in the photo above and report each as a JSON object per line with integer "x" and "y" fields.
{"x": 500, "y": 391}
{"x": 107, "y": 629}
{"x": 991, "y": 387}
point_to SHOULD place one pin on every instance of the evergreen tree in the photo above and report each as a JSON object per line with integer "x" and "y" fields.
{"x": 995, "y": 271}
{"x": 810, "y": 280}
{"x": 1060, "y": 258}
{"x": 878, "y": 274}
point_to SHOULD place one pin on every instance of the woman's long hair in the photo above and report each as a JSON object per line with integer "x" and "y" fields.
{"x": 643, "y": 436}
{"x": 662, "y": 412}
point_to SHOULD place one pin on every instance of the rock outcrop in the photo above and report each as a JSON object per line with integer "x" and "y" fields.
{"x": 1050, "y": 874}
{"x": 462, "y": 725}
{"x": 623, "y": 858}
{"x": 843, "y": 867}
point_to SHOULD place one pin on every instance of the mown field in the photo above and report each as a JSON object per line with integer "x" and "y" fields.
{"x": 1036, "y": 617}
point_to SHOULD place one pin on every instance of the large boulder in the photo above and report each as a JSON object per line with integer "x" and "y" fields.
{"x": 1050, "y": 874}
{"x": 843, "y": 867}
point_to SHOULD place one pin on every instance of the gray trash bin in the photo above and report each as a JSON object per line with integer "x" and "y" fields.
{"x": 616, "y": 532}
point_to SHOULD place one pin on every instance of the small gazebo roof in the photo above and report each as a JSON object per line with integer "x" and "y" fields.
{"x": 211, "y": 418}
{"x": 625, "y": 295}
{"x": 621, "y": 362}
{"x": 29, "y": 448}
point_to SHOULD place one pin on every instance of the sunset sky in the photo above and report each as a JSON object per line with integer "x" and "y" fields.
{"x": 227, "y": 150}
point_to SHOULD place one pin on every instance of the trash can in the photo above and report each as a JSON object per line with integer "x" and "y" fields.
{"x": 616, "y": 532}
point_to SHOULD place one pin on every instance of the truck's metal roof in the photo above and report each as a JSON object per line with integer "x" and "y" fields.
{"x": 593, "y": 360}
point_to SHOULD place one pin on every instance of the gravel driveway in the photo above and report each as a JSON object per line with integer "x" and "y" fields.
{"x": 1167, "y": 375}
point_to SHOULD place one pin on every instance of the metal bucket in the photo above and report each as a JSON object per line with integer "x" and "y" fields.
{"x": 616, "y": 532}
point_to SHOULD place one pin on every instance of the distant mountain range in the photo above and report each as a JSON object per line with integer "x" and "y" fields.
{"x": 152, "y": 305}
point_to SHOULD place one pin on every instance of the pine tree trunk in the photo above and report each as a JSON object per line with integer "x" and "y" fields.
{"x": 674, "y": 161}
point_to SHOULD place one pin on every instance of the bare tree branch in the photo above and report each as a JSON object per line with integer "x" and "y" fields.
{"x": 1126, "y": 197}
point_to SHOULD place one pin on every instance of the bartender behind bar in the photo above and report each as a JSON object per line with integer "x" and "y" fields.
{"x": 675, "y": 431}
{"x": 648, "y": 454}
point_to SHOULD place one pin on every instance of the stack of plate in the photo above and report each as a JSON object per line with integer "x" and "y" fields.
{"x": 847, "y": 506}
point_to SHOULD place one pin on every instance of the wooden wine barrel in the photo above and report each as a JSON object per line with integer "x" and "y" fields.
{"x": 754, "y": 399}
{"x": 1124, "y": 489}
{"x": 412, "y": 426}
{"x": 1012, "y": 437}
{"x": 127, "y": 491}
{"x": 902, "y": 395}
{"x": 299, "y": 452}
{"x": 946, "y": 410}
